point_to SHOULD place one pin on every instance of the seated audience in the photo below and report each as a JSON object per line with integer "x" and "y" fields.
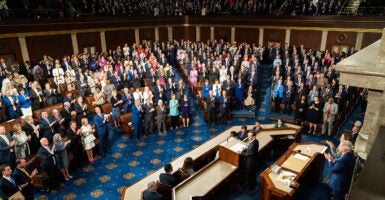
{"x": 242, "y": 135}
{"x": 167, "y": 177}
{"x": 188, "y": 166}
{"x": 151, "y": 193}
{"x": 279, "y": 124}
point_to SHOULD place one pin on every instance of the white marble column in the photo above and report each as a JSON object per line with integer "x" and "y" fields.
{"x": 156, "y": 34}
{"x": 74, "y": 40}
{"x": 260, "y": 40}
{"x": 323, "y": 40}
{"x": 287, "y": 36}
{"x": 198, "y": 33}
{"x": 103, "y": 41}
{"x": 169, "y": 32}
{"x": 23, "y": 48}
{"x": 360, "y": 36}
{"x": 232, "y": 34}
{"x": 211, "y": 33}
{"x": 137, "y": 39}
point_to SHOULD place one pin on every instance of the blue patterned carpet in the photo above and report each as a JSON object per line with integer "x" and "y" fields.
{"x": 132, "y": 160}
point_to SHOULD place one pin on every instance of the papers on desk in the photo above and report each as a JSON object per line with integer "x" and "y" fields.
{"x": 238, "y": 147}
{"x": 301, "y": 157}
{"x": 286, "y": 177}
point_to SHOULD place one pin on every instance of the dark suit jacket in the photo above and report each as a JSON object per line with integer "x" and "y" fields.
{"x": 251, "y": 155}
{"x": 35, "y": 102}
{"x": 5, "y": 154}
{"x": 7, "y": 187}
{"x": 146, "y": 110}
{"x": 224, "y": 103}
{"x": 211, "y": 106}
{"x": 136, "y": 115}
{"x": 242, "y": 136}
{"x": 21, "y": 178}
{"x": 150, "y": 195}
{"x": 342, "y": 171}
{"x": 46, "y": 129}
{"x": 168, "y": 179}
{"x": 101, "y": 126}
{"x": 67, "y": 117}
{"x": 34, "y": 143}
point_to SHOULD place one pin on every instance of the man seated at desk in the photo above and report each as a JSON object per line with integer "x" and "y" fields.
{"x": 168, "y": 178}
{"x": 151, "y": 193}
{"x": 242, "y": 135}
{"x": 250, "y": 155}
{"x": 257, "y": 126}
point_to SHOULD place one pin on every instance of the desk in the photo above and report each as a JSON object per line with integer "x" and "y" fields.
{"x": 211, "y": 175}
{"x": 264, "y": 137}
{"x": 295, "y": 162}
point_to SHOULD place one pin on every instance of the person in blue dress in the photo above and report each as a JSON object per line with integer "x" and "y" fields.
{"x": 239, "y": 88}
{"x": 10, "y": 102}
{"x": 61, "y": 155}
{"x": 206, "y": 88}
{"x": 185, "y": 110}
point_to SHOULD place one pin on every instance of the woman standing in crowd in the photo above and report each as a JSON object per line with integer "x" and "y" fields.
{"x": 174, "y": 112}
{"x": 99, "y": 97}
{"x": 25, "y": 103}
{"x": 185, "y": 110}
{"x": 193, "y": 75}
{"x": 61, "y": 155}
{"x": 58, "y": 74}
{"x": 21, "y": 138}
{"x": 161, "y": 114}
{"x": 70, "y": 81}
{"x": 314, "y": 115}
{"x": 116, "y": 102}
{"x": 88, "y": 139}
{"x": 239, "y": 88}
{"x": 301, "y": 110}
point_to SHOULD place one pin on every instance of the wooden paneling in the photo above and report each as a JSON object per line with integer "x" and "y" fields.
{"x": 205, "y": 33}
{"x": 115, "y": 38}
{"x": 337, "y": 38}
{"x": 163, "y": 34}
{"x": 146, "y": 34}
{"x": 369, "y": 38}
{"x": 186, "y": 33}
{"x": 89, "y": 39}
{"x": 275, "y": 35}
{"x": 53, "y": 45}
{"x": 250, "y": 35}
{"x": 10, "y": 46}
{"x": 311, "y": 39}
{"x": 222, "y": 33}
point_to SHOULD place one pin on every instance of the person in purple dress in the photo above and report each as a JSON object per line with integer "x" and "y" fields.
{"x": 185, "y": 110}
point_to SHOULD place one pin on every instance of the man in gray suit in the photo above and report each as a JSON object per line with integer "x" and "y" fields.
{"x": 148, "y": 110}
{"x": 329, "y": 113}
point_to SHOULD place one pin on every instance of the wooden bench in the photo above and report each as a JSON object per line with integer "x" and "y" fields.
{"x": 48, "y": 109}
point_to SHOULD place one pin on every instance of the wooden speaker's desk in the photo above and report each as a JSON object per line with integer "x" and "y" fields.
{"x": 299, "y": 160}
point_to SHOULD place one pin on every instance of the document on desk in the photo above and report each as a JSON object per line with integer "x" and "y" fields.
{"x": 238, "y": 147}
{"x": 301, "y": 157}
{"x": 285, "y": 176}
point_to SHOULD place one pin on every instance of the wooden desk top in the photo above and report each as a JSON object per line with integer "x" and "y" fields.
{"x": 290, "y": 162}
{"x": 210, "y": 176}
{"x": 134, "y": 191}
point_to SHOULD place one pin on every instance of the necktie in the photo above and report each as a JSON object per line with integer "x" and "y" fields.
{"x": 12, "y": 181}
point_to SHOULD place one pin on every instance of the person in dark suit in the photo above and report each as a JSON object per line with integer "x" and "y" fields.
{"x": 66, "y": 113}
{"x": 211, "y": 108}
{"x": 243, "y": 133}
{"x": 50, "y": 95}
{"x": 288, "y": 97}
{"x": 7, "y": 183}
{"x": 224, "y": 108}
{"x": 137, "y": 113}
{"x": 6, "y": 146}
{"x": 32, "y": 130}
{"x": 45, "y": 124}
{"x": 75, "y": 146}
{"x": 167, "y": 178}
{"x": 36, "y": 96}
{"x": 102, "y": 125}
{"x": 228, "y": 85}
{"x": 49, "y": 164}
{"x": 151, "y": 193}
{"x": 81, "y": 110}
{"x": 22, "y": 176}
{"x": 257, "y": 127}
{"x": 127, "y": 100}
{"x": 250, "y": 155}
{"x": 149, "y": 117}
{"x": 342, "y": 170}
